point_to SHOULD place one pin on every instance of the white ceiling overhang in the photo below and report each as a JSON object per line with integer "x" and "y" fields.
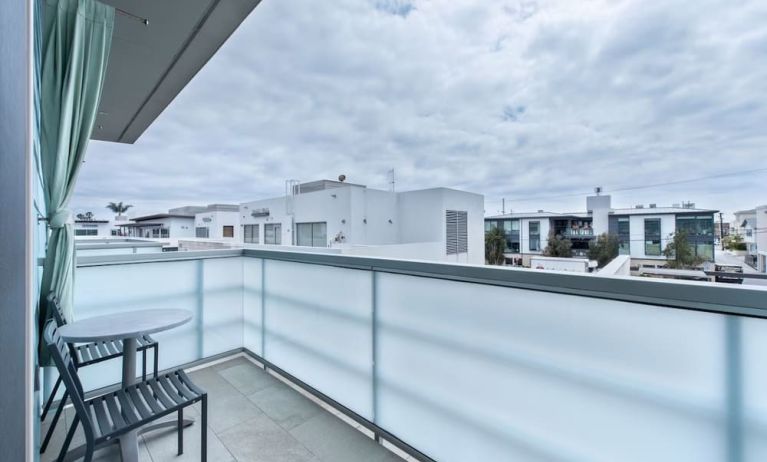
{"x": 150, "y": 64}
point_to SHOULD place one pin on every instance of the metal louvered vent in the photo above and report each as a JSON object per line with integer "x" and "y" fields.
{"x": 457, "y": 234}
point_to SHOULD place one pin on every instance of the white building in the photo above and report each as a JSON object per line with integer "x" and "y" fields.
{"x": 751, "y": 224}
{"x": 643, "y": 232}
{"x": 177, "y": 223}
{"x": 92, "y": 228}
{"x": 218, "y": 222}
{"x": 431, "y": 224}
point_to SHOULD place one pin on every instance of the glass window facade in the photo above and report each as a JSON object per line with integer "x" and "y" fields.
{"x": 86, "y": 232}
{"x": 652, "y": 234}
{"x": 202, "y": 231}
{"x": 534, "y": 229}
{"x": 624, "y": 236}
{"x": 510, "y": 228}
{"x": 250, "y": 234}
{"x": 273, "y": 233}
{"x": 700, "y": 233}
{"x": 312, "y": 234}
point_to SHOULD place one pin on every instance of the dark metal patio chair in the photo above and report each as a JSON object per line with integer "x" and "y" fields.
{"x": 86, "y": 355}
{"x": 106, "y": 417}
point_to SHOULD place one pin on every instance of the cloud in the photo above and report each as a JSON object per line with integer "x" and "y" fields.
{"x": 513, "y": 99}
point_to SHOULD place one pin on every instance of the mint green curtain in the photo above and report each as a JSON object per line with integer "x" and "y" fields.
{"x": 77, "y": 37}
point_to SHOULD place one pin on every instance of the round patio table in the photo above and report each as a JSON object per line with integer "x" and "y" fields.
{"x": 126, "y": 326}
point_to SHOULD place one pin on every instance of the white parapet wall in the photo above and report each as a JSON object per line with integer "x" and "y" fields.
{"x": 618, "y": 266}
{"x": 577, "y": 265}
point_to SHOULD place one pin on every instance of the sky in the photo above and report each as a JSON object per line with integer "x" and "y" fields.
{"x": 536, "y": 102}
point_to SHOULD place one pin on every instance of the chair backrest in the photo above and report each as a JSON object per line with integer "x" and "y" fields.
{"x": 55, "y": 308}
{"x": 59, "y": 351}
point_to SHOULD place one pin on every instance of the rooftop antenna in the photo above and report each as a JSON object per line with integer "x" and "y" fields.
{"x": 598, "y": 190}
{"x": 392, "y": 180}
{"x": 503, "y": 206}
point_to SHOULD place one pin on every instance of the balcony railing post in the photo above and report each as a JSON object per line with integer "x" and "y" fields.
{"x": 734, "y": 388}
{"x": 374, "y": 344}
{"x": 263, "y": 308}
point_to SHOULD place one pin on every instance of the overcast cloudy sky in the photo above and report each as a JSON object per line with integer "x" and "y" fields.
{"x": 518, "y": 99}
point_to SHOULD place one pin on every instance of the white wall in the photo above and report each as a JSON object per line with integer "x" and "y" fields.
{"x": 636, "y": 230}
{"x": 179, "y": 227}
{"x": 216, "y": 220}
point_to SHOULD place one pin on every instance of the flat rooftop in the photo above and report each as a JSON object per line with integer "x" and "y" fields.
{"x": 252, "y": 416}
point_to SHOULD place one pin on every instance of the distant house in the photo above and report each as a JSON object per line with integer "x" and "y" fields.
{"x": 438, "y": 224}
{"x": 177, "y": 223}
{"x": 643, "y": 232}
{"x": 751, "y": 224}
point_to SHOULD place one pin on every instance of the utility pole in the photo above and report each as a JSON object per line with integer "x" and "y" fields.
{"x": 721, "y": 230}
{"x": 503, "y": 206}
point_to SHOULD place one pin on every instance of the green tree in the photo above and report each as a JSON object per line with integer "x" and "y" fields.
{"x": 118, "y": 207}
{"x": 495, "y": 244}
{"x": 680, "y": 253}
{"x": 558, "y": 246}
{"x": 734, "y": 242}
{"x": 603, "y": 249}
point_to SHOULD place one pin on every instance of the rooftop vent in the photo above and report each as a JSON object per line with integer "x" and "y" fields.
{"x": 639, "y": 206}
{"x": 652, "y": 206}
{"x": 540, "y": 211}
{"x": 688, "y": 205}
{"x": 675, "y": 205}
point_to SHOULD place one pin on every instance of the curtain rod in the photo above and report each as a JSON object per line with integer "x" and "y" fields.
{"x": 144, "y": 21}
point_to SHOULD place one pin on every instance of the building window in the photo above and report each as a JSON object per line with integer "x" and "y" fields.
{"x": 250, "y": 234}
{"x": 228, "y": 231}
{"x": 164, "y": 232}
{"x": 86, "y": 232}
{"x": 456, "y": 225}
{"x": 155, "y": 232}
{"x": 312, "y": 234}
{"x": 652, "y": 237}
{"x": 700, "y": 233}
{"x": 534, "y": 228}
{"x": 202, "y": 231}
{"x": 273, "y": 233}
{"x": 624, "y": 236}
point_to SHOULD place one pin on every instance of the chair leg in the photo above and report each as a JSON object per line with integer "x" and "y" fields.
{"x": 156, "y": 357}
{"x": 180, "y": 431}
{"x": 55, "y": 420}
{"x": 68, "y": 440}
{"x": 143, "y": 365}
{"x": 204, "y": 430}
{"x": 50, "y": 399}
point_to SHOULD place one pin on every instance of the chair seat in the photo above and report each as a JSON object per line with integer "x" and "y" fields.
{"x": 90, "y": 353}
{"x": 118, "y": 412}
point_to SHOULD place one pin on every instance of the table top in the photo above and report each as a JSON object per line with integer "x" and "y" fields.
{"x": 127, "y": 324}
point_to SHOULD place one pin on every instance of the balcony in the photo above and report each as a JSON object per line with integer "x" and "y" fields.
{"x": 253, "y": 415}
{"x": 450, "y": 362}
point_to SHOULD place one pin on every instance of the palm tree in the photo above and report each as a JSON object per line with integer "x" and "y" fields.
{"x": 118, "y": 208}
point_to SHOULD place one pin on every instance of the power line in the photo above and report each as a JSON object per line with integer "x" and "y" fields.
{"x": 647, "y": 186}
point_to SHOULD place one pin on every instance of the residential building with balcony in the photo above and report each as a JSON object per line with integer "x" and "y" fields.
{"x": 438, "y": 224}
{"x": 642, "y": 232}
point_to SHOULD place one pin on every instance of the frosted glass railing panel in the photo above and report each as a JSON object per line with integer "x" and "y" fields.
{"x": 474, "y": 372}
{"x": 754, "y": 370}
{"x": 222, "y": 305}
{"x": 211, "y": 289}
{"x": 318, "y": 328}
{"x": 252, "y": 304}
